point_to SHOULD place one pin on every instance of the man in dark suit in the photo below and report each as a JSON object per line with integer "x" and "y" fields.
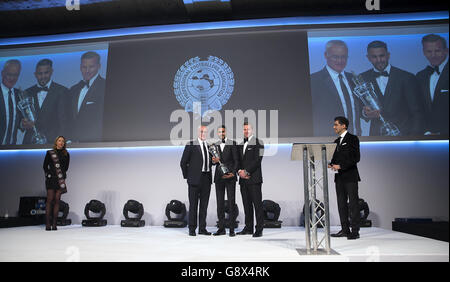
{"x": 196, "y": 166}
{"x": 10, "y": 116}
{"x": 434, "y": 84}
{"x": 87, "y": 97}
{"x": 345, "y": 158}
{"x": 50, "y": 100}
{"x": 229, "y": 156}
{"x": 251, "y": 153}
{"x": 331, "y": 91}
{"x": 397, "y": 91}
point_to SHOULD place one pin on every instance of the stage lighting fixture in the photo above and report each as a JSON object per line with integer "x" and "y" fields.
{"x": 64, "y": 209}
{"x": 364, "y": 213}
{"x": 136, "y": 208}
{"x": 176, "y": 213}
{"x": 228, "y": 216}
{"x": 97, "y": 207}
{"x": 271, "y": 214}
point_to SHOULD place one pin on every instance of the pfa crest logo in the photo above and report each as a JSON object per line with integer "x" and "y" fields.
{"x": 208, "y": 83}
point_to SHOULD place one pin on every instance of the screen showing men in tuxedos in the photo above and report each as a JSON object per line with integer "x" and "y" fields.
{"x": 47, "y": 95}
{"x": 387, "y": 83}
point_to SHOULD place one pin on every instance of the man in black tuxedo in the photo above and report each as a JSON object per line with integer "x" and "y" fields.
{"x": 397, "y": 91}
{"x": 50, "y": 100}
{"x": 331, "y": 91}
{"x": 251, "y": 153}
{"x": 229, "y": 156}
{"x": 10, "y": 116}
{"x": 434, "y": 84}
{"x": 345, "y": 158}
{"x": 196, "y": 164}
{"x": 87, "y": 97}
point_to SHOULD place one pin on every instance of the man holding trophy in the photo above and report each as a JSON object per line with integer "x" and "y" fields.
{"x": 49, "y": 102}
{"x": 395, "y": 107}
{"x": 226, "y": 158}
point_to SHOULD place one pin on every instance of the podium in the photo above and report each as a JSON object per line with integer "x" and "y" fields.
{"x": 315, "y": 156}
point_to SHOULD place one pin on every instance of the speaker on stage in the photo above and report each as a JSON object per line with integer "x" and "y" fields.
{"x": 64, "y": 209}
{"x": 176, "y": 214}
{"x": 228, "y": 216}
{"x": 272, "y": 212}
{"x": 136, "y": 208}
{"x": 364, "y": 212}
{"x": 98, "y": 208}
{"x": 320, "y": 212}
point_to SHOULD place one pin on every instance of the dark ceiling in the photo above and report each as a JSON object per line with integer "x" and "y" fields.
{"x": 27, "y": 17}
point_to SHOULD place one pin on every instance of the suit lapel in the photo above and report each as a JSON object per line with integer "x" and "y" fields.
{"x": 336, "y": 100}
{"x": 388, "y": 91}
{"x": 2, "y": 114}
{"x": 443, "y": 79}
{"x": 427, "y": 90}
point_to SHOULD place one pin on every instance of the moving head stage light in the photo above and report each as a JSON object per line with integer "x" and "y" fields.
{"x": 136, "y": 208}
{"x": 271, "y": 214}
{"x": 176, "y": 213}
{"x": 64, "y": 209}
{"x": 97, "y": 207}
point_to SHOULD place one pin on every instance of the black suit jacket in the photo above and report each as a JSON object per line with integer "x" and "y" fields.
{"x": 436, "y": 112}
{"x": 347, "y": 155}
{"x": 251, "y": 161}
{"x": 3, "y": 124}
{"x": 400, "y": 104}
{"x": 192, "y": 163}
{"x": 327, "y": 104}
{"x": 229, "y": 157}
{"x": 52, "y": 117}
{"x": 86, "y": 125}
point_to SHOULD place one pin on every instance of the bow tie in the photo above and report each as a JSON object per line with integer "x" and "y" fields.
{"x": 245, "y": 140}
{"x": 45, "y": 88}
{"x": 223, "y": 140}
{"x": 381, "y": 73}
{"x": 85, "y": 83}
{"x": 434, "y": 69}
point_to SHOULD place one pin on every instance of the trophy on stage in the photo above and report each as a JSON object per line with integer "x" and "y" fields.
{"x": 26, "y": 107}
{"x": 223, "y": 168}
{"x": 366, "y": 93}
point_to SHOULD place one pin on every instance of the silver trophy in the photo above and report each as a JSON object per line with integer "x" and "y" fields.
{"x": 366, "y": 93}
{"x": 26, "y": 107}
{"x": 215, "y": 153}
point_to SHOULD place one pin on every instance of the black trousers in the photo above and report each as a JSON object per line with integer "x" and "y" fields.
{"x": 230, "y": 187}
{"x": 252, "y": 199}
{"x": 199, "y": 193}
{"x": 348, "y": 192}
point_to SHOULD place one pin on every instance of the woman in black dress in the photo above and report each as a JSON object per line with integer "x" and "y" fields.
{"x": 55, "y": 185}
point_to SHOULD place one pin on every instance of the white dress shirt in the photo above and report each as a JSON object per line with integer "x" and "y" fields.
{"x": 382, "y": 81}
{"x": 342, "y": 136}
{"x": 246, "y": 144}
{"x": 5, "y": 91}
{"x": 222, "y": 145}
{"x": 203, "y": 154}
{"x": 84, "y": 91}
{"x": 434, "y": 78}
{"x": 335, "y": 77}
{"x": 42, "y": 94}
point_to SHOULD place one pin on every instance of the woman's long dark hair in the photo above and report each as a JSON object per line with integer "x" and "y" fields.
{"x": 64, "y": 150}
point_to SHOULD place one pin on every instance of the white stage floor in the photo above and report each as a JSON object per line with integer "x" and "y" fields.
{"x": 154, "y": 243}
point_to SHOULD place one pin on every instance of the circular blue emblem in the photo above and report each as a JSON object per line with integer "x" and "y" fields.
{"x": 209, "y": 83}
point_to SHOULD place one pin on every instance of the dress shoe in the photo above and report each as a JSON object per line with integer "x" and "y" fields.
{"x": 341, "y": 233}
{"x": 232, "y": 234}
{"x": 258, "y": 234}
{"x": 353, "y": 236}
{"x": 220, "y": 232}
{"x": 204, "y": 232}
{"x": 191, "y": 233}
{"x": 54, "y": 227}
{"x": 244, "y": 232}
{"x": 48, "y": 228}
